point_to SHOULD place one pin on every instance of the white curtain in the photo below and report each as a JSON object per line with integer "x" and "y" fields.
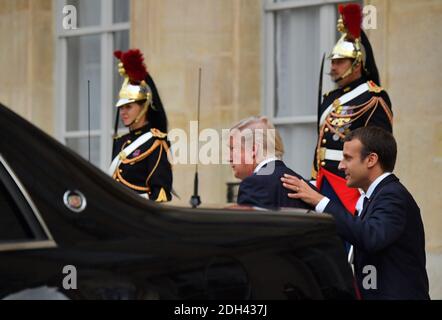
{"x": 302, "y": 35}
{"x": 297, "y": 61}
{"x": 84, "y": 63}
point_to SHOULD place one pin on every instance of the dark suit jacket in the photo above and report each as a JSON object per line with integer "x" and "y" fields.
{"x": 388, "y": 235}
{"x": 266, "y": 190}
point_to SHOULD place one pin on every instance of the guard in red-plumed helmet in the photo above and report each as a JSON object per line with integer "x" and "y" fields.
{"x": 357, "y": 102}
{"x": 140, "y": 157}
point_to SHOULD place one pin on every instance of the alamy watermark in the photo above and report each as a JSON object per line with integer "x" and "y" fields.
{"x": 225, "y": 146}
{"x": 370, "y": 281}
{"x": 369, "y": 21}
{"x": 70, "y": 278}
{"x": 370, "y": 17}
{"x": 69, "y": 17}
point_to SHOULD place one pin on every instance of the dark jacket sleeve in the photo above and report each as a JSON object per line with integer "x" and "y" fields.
{"x": 287, "y": 202}
{"x": 381, "y": 225}
{"x": 160, "y": 170}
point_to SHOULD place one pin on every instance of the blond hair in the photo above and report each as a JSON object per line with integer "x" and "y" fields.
{"x": 259, "y": 131}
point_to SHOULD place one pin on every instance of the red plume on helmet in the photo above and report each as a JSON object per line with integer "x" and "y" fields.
{"x": 352, "y": 17}
{"x": 133, "y": 63}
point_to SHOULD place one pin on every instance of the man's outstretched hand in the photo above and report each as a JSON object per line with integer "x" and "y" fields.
{"x": 301, "y": 190}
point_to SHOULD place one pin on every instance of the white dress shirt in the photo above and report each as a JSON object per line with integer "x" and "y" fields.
{"x": 263, "y": 163}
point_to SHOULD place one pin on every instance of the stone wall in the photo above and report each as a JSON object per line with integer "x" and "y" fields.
{"x": 223, "y": 37}
{"x": 27, "y": 58}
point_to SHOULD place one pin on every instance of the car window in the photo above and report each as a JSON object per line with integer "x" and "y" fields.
{"x": 12, "y": 225}
{"x": 18, "y": 217}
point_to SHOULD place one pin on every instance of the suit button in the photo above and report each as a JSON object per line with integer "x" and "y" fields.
{"x": 326, "y": 129}
{"x": 129, "y": 142}
{"x": 118, "y": 180}
{"x": 324, "y": 141}
{"x": 323, "y": 164}
{"x": 121, "y": 171}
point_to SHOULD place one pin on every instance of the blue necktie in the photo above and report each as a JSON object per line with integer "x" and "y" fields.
{"x": 364, "y": 205}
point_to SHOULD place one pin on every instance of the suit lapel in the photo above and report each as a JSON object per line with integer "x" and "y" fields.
{"x": 391, "y": 178}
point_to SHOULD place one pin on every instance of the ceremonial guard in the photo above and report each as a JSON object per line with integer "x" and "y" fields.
{"x": 359, "y": 101}
{"x": 140, "y": 157}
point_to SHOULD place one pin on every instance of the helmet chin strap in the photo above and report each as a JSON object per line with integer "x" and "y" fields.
{"x": 140, "y": 115}
{"x": 348, "y": 72}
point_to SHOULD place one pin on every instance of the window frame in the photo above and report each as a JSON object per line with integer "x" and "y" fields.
{"x": 31, "y": 216}
{"x": 106, "y": 31}
{"x": 270, "y": 9}
{"x": 328, "y": 35}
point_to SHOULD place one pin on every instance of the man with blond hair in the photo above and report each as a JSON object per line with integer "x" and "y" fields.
{"x": 256, "y": 151}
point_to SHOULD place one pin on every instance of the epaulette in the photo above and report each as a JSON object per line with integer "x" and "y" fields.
{"x": 328, "y": 93}
{"x": 373, "y": 87}
{"x": 119, "y": 136}
{"x": 158, "y": 134}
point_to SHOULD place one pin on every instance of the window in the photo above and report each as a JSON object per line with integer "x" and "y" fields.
{"x": 86, "y": 71}
{"x": 296, "y": 35}
{"x": 21, "y": 226}
{"x": 11, "y": 224}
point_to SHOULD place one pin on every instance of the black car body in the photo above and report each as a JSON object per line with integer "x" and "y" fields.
{"x": 58, "y": 210}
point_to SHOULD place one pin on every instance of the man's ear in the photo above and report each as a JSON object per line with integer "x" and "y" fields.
{"x": 373, "y": 159}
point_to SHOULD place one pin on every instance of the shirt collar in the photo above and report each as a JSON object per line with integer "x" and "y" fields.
{"x": 354, "y": 84}
{"x": 375, "y": 183}
{"x": 145, "y": 128}
{"x": 263, "y": 163}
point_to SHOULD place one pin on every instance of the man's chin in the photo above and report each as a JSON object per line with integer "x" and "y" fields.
{"x": 350, "y": 184}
